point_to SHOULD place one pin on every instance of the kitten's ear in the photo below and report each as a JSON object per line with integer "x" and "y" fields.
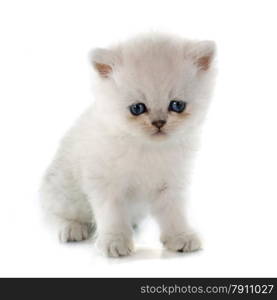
{"x": 103, "y": 61}
{"x": 203, "y": 54}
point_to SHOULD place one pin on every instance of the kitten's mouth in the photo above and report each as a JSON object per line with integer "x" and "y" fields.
{"x": 159, "y": 132}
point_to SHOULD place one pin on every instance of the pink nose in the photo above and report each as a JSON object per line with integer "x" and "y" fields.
{"x": 159, "y": 123}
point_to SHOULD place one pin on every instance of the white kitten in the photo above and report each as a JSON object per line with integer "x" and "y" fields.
{"x": 130, "y": 153}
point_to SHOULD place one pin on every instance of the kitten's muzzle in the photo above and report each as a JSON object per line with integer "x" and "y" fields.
{"x": 159, "y": 123}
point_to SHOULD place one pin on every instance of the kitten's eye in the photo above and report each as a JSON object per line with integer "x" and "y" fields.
{"x": 177, "y": 106}
{"x": 138, "y": 109}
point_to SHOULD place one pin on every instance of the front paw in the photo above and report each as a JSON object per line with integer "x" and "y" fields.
{"x": 182, "y": 242}
{"x": 115, "y": 245}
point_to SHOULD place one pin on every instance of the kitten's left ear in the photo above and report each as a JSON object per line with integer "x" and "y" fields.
{"x": 103, "y": 61}
{"x": 203, "y": 54}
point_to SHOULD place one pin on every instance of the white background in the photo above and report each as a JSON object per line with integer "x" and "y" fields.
{"x": 45, "y": 83}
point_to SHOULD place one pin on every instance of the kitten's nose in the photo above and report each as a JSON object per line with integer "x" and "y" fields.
{"x": 159, "y": 123}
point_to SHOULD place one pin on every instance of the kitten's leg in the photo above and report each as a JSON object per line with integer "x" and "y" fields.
{"x": 114, "y": 229}
{"x": 66, "y": 208}
{"x": 175, "y": 233}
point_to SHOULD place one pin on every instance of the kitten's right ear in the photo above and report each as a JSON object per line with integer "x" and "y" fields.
{"x": 202, "y": 54}
{"x": 103, "y": 61}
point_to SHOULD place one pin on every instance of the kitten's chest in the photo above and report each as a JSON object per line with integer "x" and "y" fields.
{"x": 147, "y": 168}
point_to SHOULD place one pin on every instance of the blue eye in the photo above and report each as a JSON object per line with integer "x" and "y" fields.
{"x": 138, "y": 109}
{"x": 177, "y": 106}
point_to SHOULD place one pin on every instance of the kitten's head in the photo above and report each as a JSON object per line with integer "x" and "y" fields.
{"x": 155, "y": 86}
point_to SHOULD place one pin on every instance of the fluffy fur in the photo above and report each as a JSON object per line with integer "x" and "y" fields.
{"x": 112, "y": 168}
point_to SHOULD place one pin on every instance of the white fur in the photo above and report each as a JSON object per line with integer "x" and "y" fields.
{"x": 110, "y": 170}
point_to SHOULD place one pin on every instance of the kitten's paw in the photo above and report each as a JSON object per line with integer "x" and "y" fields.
{"x": 74, "y": 232}
{"x": 115, "y": 245}
{"x": 183, "y": 242}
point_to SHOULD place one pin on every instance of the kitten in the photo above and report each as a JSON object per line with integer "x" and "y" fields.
{"x": 130, "y": 153}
